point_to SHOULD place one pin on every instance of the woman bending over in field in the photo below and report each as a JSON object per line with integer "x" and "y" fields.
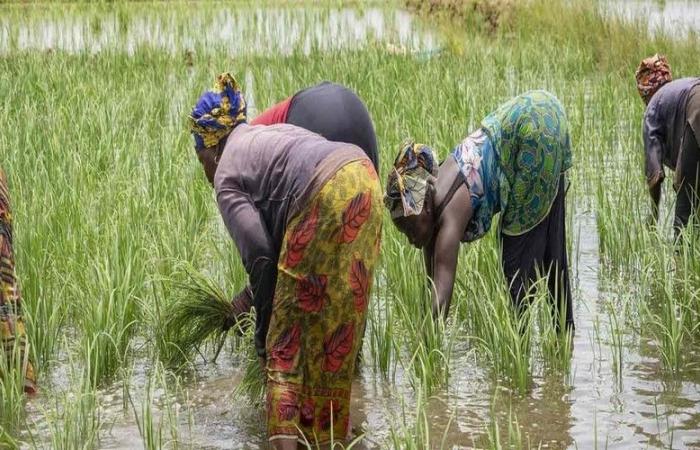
{"x": 12, "y": 335}
{"x": 514, "y": 164}
{"x": 331, "y": 110}
{"x": 305, "y": 214}
{"x": 670, "y": 129}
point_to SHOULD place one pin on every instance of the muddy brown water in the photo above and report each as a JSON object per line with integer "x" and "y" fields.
{"x": 592, "y": 407}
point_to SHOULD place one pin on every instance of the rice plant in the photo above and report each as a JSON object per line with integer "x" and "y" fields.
{"x": 201, "y": 314}
{"x": 12, "y": 399}
{"x": 74, "y": 420}
{"x": 124, "y": 262}
{"x": 616, "y": 343}
{"x": 159, "y": 428}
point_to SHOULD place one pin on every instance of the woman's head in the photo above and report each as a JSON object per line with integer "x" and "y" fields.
{"x": 410, "y": 192}
{"x": 217, "y": 112}
{"x": 653, "y": 72}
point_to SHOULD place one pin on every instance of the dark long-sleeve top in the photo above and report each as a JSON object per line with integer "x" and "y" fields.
{"x": 329, "y": 109}
{"x": 663, "y": 126}
{"x": 266, "y": 176}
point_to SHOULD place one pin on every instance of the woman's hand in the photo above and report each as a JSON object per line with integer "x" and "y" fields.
{"x": 241, "y": 305}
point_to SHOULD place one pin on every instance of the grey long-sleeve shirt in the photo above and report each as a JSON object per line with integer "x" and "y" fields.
{"x": 266, "y": 176}
{"x": 663, "y": 126}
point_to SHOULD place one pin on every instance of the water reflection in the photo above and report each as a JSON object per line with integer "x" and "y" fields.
{"x": 235, "y": 30}
{"x": 672, "y": 17}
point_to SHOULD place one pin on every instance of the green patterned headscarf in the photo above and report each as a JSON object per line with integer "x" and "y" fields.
{"x": 408, "y": 180}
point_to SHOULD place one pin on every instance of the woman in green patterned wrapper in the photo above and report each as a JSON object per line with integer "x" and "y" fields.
{"x": 513, "y": 164}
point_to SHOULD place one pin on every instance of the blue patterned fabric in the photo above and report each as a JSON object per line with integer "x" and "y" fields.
{"x": 217, "y": 112}
{"x": 477, "y": 163}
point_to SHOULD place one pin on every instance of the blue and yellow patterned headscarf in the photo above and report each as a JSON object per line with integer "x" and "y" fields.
{"x": 408, "y": 180}
{"x": 217, "y": 112}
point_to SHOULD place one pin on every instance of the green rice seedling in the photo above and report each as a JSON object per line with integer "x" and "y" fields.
{"x": 596, "y": 343}
{"x": 500, "y": 335}
{"x": 44, "y": 318}
{"x": 498, "y": 435}
{"x": 158, "y": 428}
{"x": 151, "y": 433}
{"x": 197, "y": 316}
{"x": 687, "y": 275}
{"x": 429, "y": 341}
{"x": 12, "y": 398}
{"x": 74, "y": 422}
{"x": 7, "y": 441}
{"x": 107, "y": 327}
{"x": 669, "y": 429}
{"x": 381, "y": 332}
{"x": 513, "y": 434}
{"x": 381, "y": 329}
{"x": 109, "y": 199}
{"x": 616, "y": 343}
{"x": 254, "y": 381}
{"x": 622, "y": 239}
{"x": 413, "y": 430}
{"x": 556, "y": 346}
{"x": 667, "y": 327}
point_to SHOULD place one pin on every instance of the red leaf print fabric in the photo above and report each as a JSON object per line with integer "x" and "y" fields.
{"x": 325, "y": 419}
{"x": 288, "y": 406}
{"x": 311, "y": 292}
{"x": 308, "y": 413}
{"x": 303, "y": 233}
{"x": 359, "y": 283}
{"x": 285, "y": 348}
{"x": 337, "y": 346}
{"x": 355, "y": 215}
{"x": 370, "y": 169}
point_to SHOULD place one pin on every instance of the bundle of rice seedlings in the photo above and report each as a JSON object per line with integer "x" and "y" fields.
{"x": 201, "y": 314}
{"x": 254, "y": 379}
{"x": 197, "y": 316}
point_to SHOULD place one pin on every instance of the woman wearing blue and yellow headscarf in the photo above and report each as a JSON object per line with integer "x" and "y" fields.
{"x": 513, "y": 164}
{"x": 305, "y": 214}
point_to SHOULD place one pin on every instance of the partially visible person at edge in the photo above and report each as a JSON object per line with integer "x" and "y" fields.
{"x": 305, "y": 214}
{"x": 12, "y": 332}
{"x": 329, "y": 109}
{"x": 670, "y": 131}
{"x": 515, "y": 164}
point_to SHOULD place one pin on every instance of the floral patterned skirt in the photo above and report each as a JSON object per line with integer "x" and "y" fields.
{"x": 12, "y": 334}
{"x": 325, "y": 274}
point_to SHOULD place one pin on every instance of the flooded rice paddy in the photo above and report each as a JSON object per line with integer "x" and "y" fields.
{"x": 238, "y": 31}
{"x": 611, "y": 397}
{"x": 591, "y": 407}
{"x": 677, "y": 17}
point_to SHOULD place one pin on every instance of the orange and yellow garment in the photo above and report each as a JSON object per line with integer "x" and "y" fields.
{"x": 325, "y": 273}
{"x": 12, "y": 332}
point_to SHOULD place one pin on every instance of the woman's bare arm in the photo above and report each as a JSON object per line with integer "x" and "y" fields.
{"x": 445, "y": 252}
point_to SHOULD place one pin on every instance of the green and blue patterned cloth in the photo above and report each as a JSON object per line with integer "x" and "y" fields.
{"x": 513, "y": 163}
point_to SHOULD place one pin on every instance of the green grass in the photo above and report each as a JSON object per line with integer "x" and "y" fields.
{"x": 110, "y": 202}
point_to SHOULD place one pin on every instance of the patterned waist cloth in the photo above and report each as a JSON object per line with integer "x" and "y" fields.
{"x": 325, "y": 274}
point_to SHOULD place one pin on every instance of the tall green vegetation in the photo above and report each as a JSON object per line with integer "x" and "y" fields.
{"x": 110, "y": 202}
